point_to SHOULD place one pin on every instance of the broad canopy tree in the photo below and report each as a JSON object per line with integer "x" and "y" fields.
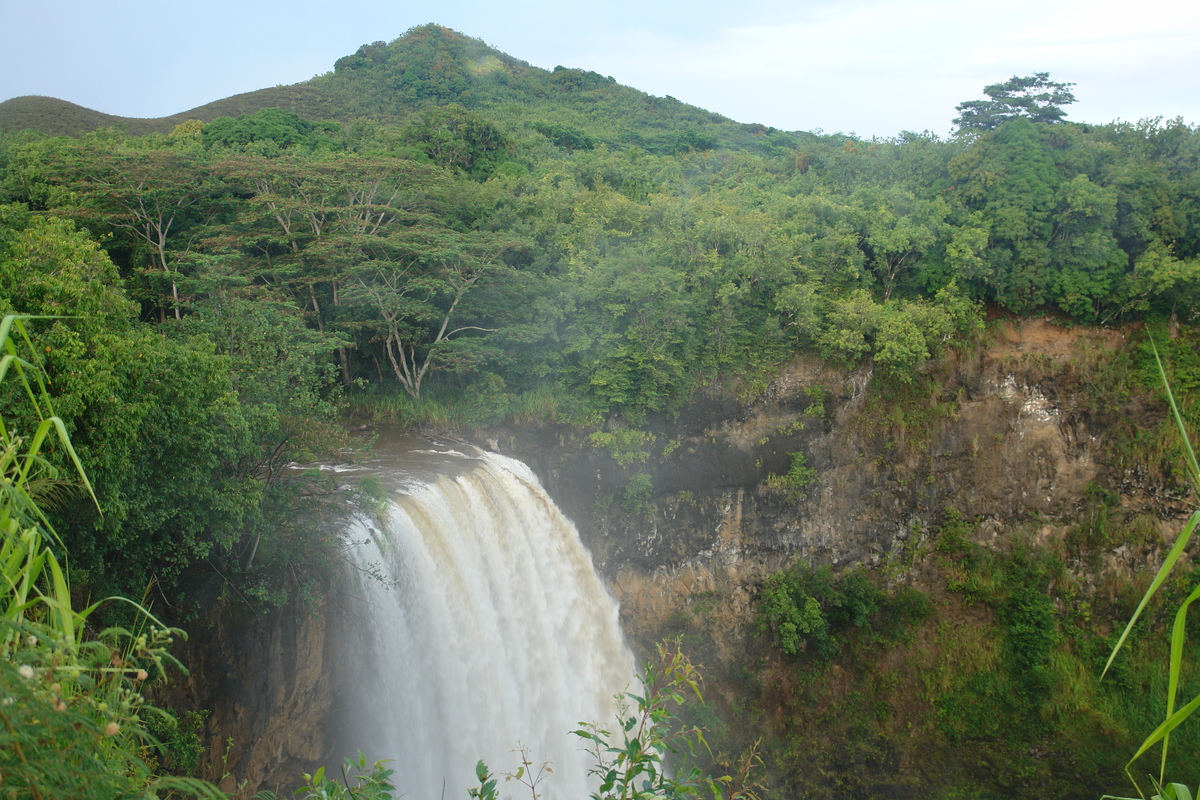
{"x": 415, "y": 280}
{"x": 1034, "y": 97}
{"x": 363, "y": 244}
{"x": 308, "y": 220}
{"x": 163, "y": 198}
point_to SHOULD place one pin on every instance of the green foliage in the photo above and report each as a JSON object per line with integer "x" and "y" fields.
{"x": 363, "y": 782}
{"x": 449, "y": 262}
{"x": 434, "y": 66}
{"x": 1031, "y": 629}
{"x": 792, "y": 483}
{"x": 60, "y": 735}
{"x": 487, "y": 784}
{"x": 174, "y": 454}
{"x": 456, "y": 138}
{"x": 187, "y": 436}
{"x": 629, "y": 262}
{"x": 565, "y": 136}
{"x": 178, "y": 734}
{"x": 632, "y": 760}
{"x": 1033, "y": 97}
{"x": 267, "y": 131}
{"x": 626, "y": 446}
{"x": 792, "y": 616}
{"x": 1016, "y": 584}
{"x": 71, "y": 710}
{"x": 637, "y": 495}
{"x": 902, "y": 335}
{"x": 805, "y": 611}
{"x": 33, "y": 582}
{"x": 1173, "y": 717}
{"x": 371, "y": 497}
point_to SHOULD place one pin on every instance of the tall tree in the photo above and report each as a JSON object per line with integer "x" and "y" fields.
{"x": 897, "y": 230}
{"x": 1010, "y": 178}
{"x": 1034, "y": 97}
{"x": 416, "y": 279}
{"x": 310, "y": 219}
{"x": 162, "y": 198}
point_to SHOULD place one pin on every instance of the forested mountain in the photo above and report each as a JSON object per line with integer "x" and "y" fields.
{"x": 432, "y": 66}
{"x": 510, "y": 240}
{"x": 441, "y": 234}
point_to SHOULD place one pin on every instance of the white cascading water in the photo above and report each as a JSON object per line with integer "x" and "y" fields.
{"x": 484, "y": 627}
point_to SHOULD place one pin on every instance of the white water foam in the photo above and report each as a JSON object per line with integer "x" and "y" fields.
{"x": 485, "y": 627}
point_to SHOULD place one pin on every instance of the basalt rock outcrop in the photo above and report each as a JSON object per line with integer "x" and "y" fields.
{"x": 269, "y": 684}
{"x": 1008, "y": 434}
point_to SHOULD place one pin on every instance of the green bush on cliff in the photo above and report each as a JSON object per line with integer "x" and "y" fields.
{"x": 792, "y": 483}
{"x": 804, "y": 611}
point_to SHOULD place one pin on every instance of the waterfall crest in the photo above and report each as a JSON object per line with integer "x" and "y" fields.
{"x": 484, "y": 626}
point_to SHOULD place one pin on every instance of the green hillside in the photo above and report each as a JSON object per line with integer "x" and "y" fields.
{"x": 440, "y": 236}
{"x": 431, "y": 66}
{"x": 59, "y": 118}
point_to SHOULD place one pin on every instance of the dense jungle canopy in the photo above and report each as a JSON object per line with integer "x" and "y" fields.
{"x": 457, "y": 224}
{"x": 440, "y": 234}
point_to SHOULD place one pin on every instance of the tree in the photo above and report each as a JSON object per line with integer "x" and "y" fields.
{"x": 1034, "y": 97}
{"x": 1009, "y": 176}
{"x": 458, "y": 139}
{"x": 898, "y": 229}
{"x": 1088, "y": 262}
{"x": 155, "y": 420}
{"x": 271, "y": 128}
{"x": 163, "y": 198}
{"x": 311, "y": 219}
{"x": 415, "y": 280}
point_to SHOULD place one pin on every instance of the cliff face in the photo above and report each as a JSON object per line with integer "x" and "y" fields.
{"x": 269, "y": 684}
{"x": 1006, "y": 434}
{"x": 686, "y": 526}
{"x": 1022, "y": 440}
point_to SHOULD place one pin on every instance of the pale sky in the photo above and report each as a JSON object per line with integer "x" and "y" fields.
{"x": 871, "y": 67}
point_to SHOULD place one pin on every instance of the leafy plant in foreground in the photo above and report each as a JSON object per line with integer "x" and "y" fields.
{"x": 631, "y": 762}
{"x": 1173, "y": 716}
{"x": 70, "y": 706}
{"x": 369, "y": 783}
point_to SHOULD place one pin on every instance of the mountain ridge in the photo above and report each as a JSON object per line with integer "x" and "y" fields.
{"x": 59, "y": 117}
{"x": 431, "y": 65}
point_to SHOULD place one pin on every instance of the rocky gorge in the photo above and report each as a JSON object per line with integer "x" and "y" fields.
{"x": 1011, "y": 441}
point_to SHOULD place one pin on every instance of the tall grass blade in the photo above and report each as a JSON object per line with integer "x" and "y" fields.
{"x": 60, "y": 429}
{"x": 64, "y": 615}
{"x": 1178, "y": 635}
{"x": 1165, "y": 727}
{"x": 1163, "y": 572}
{"x": 1191, "y": 463}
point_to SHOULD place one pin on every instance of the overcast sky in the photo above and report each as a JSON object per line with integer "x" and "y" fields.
{"x": 871, "y": 67}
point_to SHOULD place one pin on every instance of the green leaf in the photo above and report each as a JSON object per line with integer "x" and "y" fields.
{"x": 1163, "y": 572}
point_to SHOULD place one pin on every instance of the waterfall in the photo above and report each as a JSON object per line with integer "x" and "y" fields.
{"x": 483, "y": 627}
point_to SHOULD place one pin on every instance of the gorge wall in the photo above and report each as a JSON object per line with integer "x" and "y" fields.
{"x": 1007, "y": 433}
{"x": 1015, "y": 435}
{"x": 1039, "y": 447}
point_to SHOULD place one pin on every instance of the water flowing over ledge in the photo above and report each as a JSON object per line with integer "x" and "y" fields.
{"x": 483, "y": 626}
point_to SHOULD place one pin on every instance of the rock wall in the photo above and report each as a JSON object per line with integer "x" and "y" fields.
{"x": 269, "y": 684}
{"x": 1008, "y": 433}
